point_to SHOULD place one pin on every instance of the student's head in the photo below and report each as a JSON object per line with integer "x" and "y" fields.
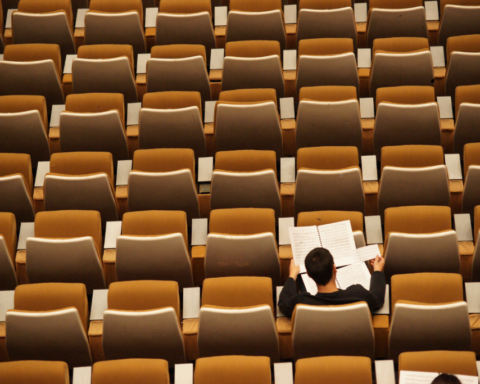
{"x": 319, "y": 265}
{"x": 445, "y": 378}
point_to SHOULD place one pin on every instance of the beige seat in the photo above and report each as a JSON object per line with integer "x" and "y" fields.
{"x": 333, "y": 370}
{"x": 413, "y": 175}
{"x": 237, "y": 318}
{"x": 163, "y": 179}
{"x": 328, "y": 116}
{"x": 49, "y": 322}
{"x": 326, "y": 61}
{"x": 428, "y": 314}
{"x": 242, "y": 242}
{"x": 233, "y": 369}
{"x": 253, "y": 64}
{"x": 24, "y": 125}
{"x": 178, "y": 68}
{"x": 318, "y": 329}
{"x": 16, "y": 186}
{"x": 248, "y": 119}
{"x": 245, "y": 179}
{"x": 458, "y": 17}
{"x": 467, "y": 114}
{"x": 154, "y": 246}
{"x": 125, "y": 371}
{"x": 471, "y": 171}
{"x": 185, "y": 22}
{"x": 254, "y": 20}
{"x": 328, "y": 178}
{"x": 172, "y": 120}
{"x": 150, "y": 311}
{"x": 400, "y": 61}
{"x": 320, "y": 19}
{"x": 454, "y": 362}
{"x": 105, "y": 68}
{"x": 8, "y": 241}
{"x": 83, "y": 181}
{"x": 94, "y": 122}
{"x": 29, "y": 372}
{"x": 116, "y": 22}
{"x": 32, "y": 69}
{"x": 67, "y": 248}
{"x": 406, "y": 115}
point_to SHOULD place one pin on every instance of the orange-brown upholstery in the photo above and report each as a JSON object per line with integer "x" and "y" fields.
{"x": 96, "y": 103}
{"x": 411, "y": 94}
{"x": 323, "y": 4}
{"x": 328, "y": 93}
{"x": 400, "y": 44}
{"x": 471, "y": 156}
{"x": 467, "y": 3}
{"x": 34, "y": 371}
{"x": 172, "y": 100}
{"x": 242, "y": 221}
{"x": 17, "y": 163}
{"x": 35, "y": 6}
{"x": 255, "y": 6}
{"x": 34, "y": 52}
{"x": 410, "y": 156}
{"x": 453, "y": 362}
{"x": 249, "y": 95}
{"x": 327, "y": 158}
{"x": 117, "y": 6}
{"x": 164, "y": 160}
{"x": 82, "y": 163}
{"x": 466, "y": 43}
{"x": 395, "y": 4}
{"x": 466, "y": 94}
{"x": 327, "y": 217}
{"x": 106, "y": 51}
{"x": 245, "y": 161}
{"x": 185, "y": 6}
{"x": 326, "y": 46}
{"x": 8, "y": 230}
{"x": 17, "y": 103}
{"x": 178, "y": 51}
{"x": 129, "y": 371}
{"x": 253, "y": 48}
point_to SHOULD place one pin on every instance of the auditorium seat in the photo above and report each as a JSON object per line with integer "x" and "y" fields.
{"x": 181, "y": 67}
{"x": 328, "y": 116}
{"x": 400, "y": 61}
{"x": 458, "y": 17}
{"x": 34, "y": 372}
{"x": 237, "y": 318}
{"x": 476, "y": 254}
{"x": 67, "y": 248}
{"x": 81, "y": 180}
{"x": 406, "y": 115}
{"x": 115, "y": 22}
{"x": 248, "y": 119}
{"x": 172, "y": 120}
{"x": 471, "y": 172}
{"x": 126, "y": 371}
{"x": 467, "y": 116}
{"x": 154, "y": 246}
{"x": 412, "y": 175}
{"x": 321, "y": 19}
{"x": 16, "y": 186}
{"x": 94, "y": 122}
{"x": 245, "y": 179}
{"x": 328, "y": 178}
{"x": 327, "y": 61}
{"x": 105, "y": 68}
{"x": 333, "y": 370}
{"x": 24, "y": 126}
{"x": 164, "y": 179}
{"x": 8, "y": 244}
{"x": 428, "y": 314}
{"x": 242, "y": 242}
{"x": 49, "y": 322}
{"x": 32, "y": 69}
{"x": 453, "y": 362}
{"x": 253, "y": 64}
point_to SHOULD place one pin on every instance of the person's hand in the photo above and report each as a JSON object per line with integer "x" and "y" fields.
{"x": 378, "y": 263}
{"x": 294, "y": 270}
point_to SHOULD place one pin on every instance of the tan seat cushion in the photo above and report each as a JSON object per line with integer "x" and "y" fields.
{"x": 327, "y": 217}
{"x": 242, "y": 221}
{"x": 34, "y": 52}
{"x": 33, "y": 371}
{"x": 249, "y": 95}
{"x": 178, "y": 51}
{"x": 164, "y": 160}
{"x": 327, "y": 158}
{"x": 173, "y": 100}
{"x": 324, "y": 4}
{"x": 396, "y": 4}
{"x": 412, "y": 156}
{"x": 17, "y": 163}
{"x": 35, "y": 6}
{"x": 400, "y": 44}
{"x": 131, "y": 371}
{"x": 96, "y": 103}
{"x": 185, "y": 6}
{"x": 255, "y": 6}
{"x": 8, "y": 230}
{"x": 471, "y": 156}
{"x": 106, "y": 51}
{"x": 325, "y": 46}
{"x": 22, "y": 103}
{"x": 117, "y": 6}
{"x": 252, "y": 48}
{"x": 82, "y": 163}
{"x": 246, "y": 161}
{"x": 330, "y": 93}
{"x": 466, "y": 43}
{"x": 466, "y": 94}
{"x": 412, "y": 94}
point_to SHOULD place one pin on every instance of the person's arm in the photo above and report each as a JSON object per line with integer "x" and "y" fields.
{"x": 288, "y": 296}
{"x": 377, "y": 283}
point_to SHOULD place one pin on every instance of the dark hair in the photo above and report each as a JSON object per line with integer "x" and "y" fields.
{"x": 319, "y": 265}
{"x": 445, "y": 378}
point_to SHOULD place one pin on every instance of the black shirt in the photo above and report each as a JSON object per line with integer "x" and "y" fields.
{"x": 375, "y": 297}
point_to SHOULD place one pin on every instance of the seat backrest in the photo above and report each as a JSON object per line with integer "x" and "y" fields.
{"x": 466, "y": 43}
{"x": 82, "y": 163}
{"x": 249, "y": 95}
{"x": 329, "y": 93}
{"x": 128, "y": 370}
{"x": 40, "y": 372}
{"x": 95, "y": 103}
{"x": 8, "y": 241}
{"x": 454, "y": 362}
{"x": 327, "y": 158}
{"x": 471, "y": 156}
{"x": 106, "y": 51}
{"x": 458, "y": 19}
{"x": 32, "y": 6}
{"x": 471, "y": 189}
{"x": 323, "y": 4}
{"x": 466, "y": 94}
{"x": 395, "y": 4}
{"x": 17, "y": 163}
{"x": 412, "y": 156}
{"x": 414, "y": 94}
{"x": 242, "y": 221}
{"x": 255, "y": 6}
{"x": 245, "y": 161}
{"x": 461, "y": 71}
{"x": 117, "y": 6}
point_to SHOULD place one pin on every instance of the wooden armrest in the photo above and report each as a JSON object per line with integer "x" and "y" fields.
{"x": 141, "y": 79}
{"x": 150, "y": 31}
{"x": 67, "y": 79}
{"x": 456, "y": 186}
{"x": 109, "y": 256}
{"x": 290, "y": 75}
{"x": 439, "y": 72}
{"x": 433, "y": 25}
{"x": 447, "y": 125}
{"x": 190, "y": 327}
{"x": 209, "y": 129}
{"x": 215, "y": 75}
{"x": 198, "y": 264}
{"x": 21, "y": 257}
{"x": 220, "y": 31}
{"x": 132, "y": 131}
{"x": 285, "y": 252}
{"x": 368, "y": 124}
{"x": 121, "y": 192}
{"x": 361, "y": 27}
{"x": 370, "y": 187}
{"x": 291, "y": 29}
{"x": 381, "y": 328}
{"x": 54, "y": 133}
{"x": 284, "y": 325}
{"x": 287, "y": 189}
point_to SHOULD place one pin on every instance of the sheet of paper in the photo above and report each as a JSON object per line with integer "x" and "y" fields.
{"x": 338, "y": 239}
{"x": 368, "y": 253}
{"x": 310, "y": 284}
{"x": 303, "y": 240}
{"x": 411, "y": 377}
{"x": 353, "y": 274}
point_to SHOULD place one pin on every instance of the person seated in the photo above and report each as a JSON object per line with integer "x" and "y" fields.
{"x": 321, "y": 268}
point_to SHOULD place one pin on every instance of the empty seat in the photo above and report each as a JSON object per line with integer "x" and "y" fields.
{"x": 458, "y": 17}
{"x": 31, "y": 371}
{"x": 471, "y": 171}
{"x": 454, "y": 362}
{"x": 467, "y": 115}
{"x": 8, "y": 241}
{"x": 126, "y": 371}
{"x": 24, "y": 126}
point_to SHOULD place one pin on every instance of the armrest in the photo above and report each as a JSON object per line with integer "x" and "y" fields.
{"x": 472, "y": 292}
{"x": 220, "y": 17}
{"x": 8, "y": 19}
{"x": 26, "y": 230}
{"x": 209, "y": 116}
{"x": 290, "y": 13}
{"x": 367, "y": 108}
{"x": 82, "y": 375}
{"x": 216, "y": 58}
{"x": 123, "y": 170}
{"x": 67, "y": 68}
{"x": 55, "y": 116}
{"x": 384, "y": 372}
{"x": 183, "y": 374}
{"x": 361, "y": 12}
{"x": 454, "y": 168}
{"x": 80, "y": 21}
{"x": 445, "y": 106}
{"x": 151, "y": 17}
{"x": 369, "y": 168}
{"x": 364, "y": 58}
{"x": 431, "y": 10}
{"x": 199, "y": 232}
{"x": 7, "y": 299}
{"x": 438, "y": 55}
{"x": 385, "y": 310}
{"x": 287, "y": 170}
{"x": 287, "y": 108}
{"x": 373, "y": 229}
{"x": 290, "y": 60}
{"x": 142, "y": 59}
{"x": 133, "y": 113}
{"x": 191, "y": 303}
{"x": 279, "y": 313}
{"x": 463, "y": 226}
{"x": 1, "y": 56}
{"x": 205, "y": 169}
{"x": 283, "y": 224}
{"x": 43, "y": 167}
{"x": 112, "y": 231}
{"x": 283, "y": 373}
{"x": 99, "y": 304}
